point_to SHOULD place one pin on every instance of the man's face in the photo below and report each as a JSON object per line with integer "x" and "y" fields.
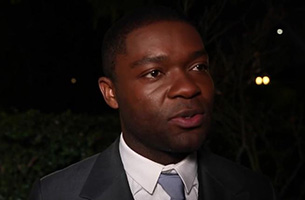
{"x": 163, "y": 89}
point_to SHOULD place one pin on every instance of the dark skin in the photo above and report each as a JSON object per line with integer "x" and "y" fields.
{"x": 163, "y": 91}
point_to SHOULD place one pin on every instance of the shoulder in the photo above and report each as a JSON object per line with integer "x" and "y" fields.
{"x": 233, "y": 176}
{"x": 220, "y": 166}
{"x": 76, "y": 171}
{"x": 65, "y": 182}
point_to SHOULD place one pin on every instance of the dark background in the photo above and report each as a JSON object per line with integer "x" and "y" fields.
{"x": 44, "y": 44}
{"x": 48, "y": 122}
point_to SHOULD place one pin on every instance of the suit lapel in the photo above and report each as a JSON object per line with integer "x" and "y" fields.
{"x": 213, "y": 185}
{"x": 107, "y": 179}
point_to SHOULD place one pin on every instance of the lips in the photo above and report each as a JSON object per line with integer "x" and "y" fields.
{"x": 188, "y": 119}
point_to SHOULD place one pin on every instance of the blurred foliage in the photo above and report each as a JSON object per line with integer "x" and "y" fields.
{"x": 33, "y": 144}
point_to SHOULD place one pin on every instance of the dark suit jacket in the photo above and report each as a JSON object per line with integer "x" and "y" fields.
{"x": 102, "y": 177}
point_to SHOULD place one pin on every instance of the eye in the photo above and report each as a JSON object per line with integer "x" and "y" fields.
{"x": 153, "y": 74}
{"x": 200, "y": 67}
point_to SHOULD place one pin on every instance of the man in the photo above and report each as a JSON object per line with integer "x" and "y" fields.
{"x": 157, "y": 76}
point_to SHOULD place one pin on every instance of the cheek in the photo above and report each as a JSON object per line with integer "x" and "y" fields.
{"x": 144, "y": 96}
{"x": 138, "y": 103}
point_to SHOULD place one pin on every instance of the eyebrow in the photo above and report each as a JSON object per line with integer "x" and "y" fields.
{"x": 149, "y": 59}
{"x": 198, "y": 54}
{"x": 158, "y": 59}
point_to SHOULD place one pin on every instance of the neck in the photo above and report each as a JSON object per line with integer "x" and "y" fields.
{"x": 161, "y": 157}
{"x": 167, "y": 158}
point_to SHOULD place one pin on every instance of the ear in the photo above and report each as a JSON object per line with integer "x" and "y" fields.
{"x": 108, "y": 91}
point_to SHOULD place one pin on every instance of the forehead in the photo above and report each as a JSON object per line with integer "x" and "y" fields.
{"x": 164, "y": 37}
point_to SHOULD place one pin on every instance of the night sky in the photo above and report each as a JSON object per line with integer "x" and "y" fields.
{"x": 46, "y": 44}
{"x": 50, "y": 52}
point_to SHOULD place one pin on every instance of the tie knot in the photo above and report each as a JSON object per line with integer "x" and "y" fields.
{"x": 173, "y": 186}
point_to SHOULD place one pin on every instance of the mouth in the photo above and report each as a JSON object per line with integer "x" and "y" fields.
{"x": 188, "y": 119}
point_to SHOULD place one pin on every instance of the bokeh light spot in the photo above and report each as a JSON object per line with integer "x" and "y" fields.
{"x": 266, "y": 80}
{"x": 279, "y": 31}
{"x": 73, "y": 80}
{"x": 258, "y": 80}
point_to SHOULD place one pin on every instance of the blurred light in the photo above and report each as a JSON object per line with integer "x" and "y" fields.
{"x": 258, "y": 80}
{"x": 266, "y": 80}
{"x": 279, "y": 31}
{"x": 73, "y": 80}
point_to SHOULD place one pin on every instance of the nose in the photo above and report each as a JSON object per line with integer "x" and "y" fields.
{"x": 183, "y": 86}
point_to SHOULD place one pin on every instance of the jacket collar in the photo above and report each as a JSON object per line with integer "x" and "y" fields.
{"x": 216, "y": 181}
{"x": 107, "y": 179}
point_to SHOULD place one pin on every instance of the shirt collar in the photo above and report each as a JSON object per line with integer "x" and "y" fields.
{"x": 187, "y": 170}
{"x": 146, "y": 172}
{"x": 142, "y": 170}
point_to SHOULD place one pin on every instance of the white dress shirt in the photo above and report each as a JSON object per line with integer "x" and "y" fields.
{"x": 143, "y": 175}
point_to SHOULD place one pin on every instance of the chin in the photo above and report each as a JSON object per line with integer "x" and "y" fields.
{"x": 189, "y": 144}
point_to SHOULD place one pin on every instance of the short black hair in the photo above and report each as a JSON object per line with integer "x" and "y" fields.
{"x": 114, "y": 39}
